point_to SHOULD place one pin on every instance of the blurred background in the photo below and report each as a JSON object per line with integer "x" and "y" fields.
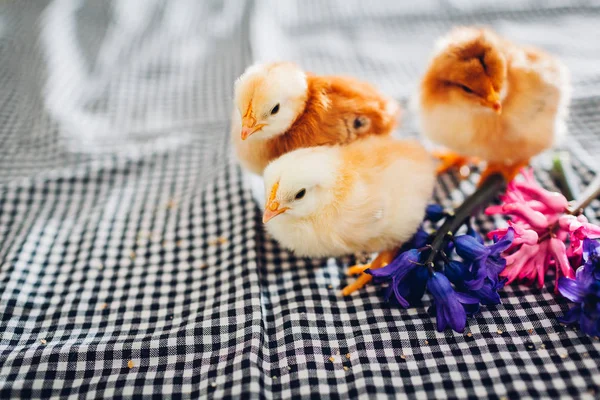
{"x": 83, "y": 78}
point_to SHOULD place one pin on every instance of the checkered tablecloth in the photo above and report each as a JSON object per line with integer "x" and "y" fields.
{"x": 133, "y": 262}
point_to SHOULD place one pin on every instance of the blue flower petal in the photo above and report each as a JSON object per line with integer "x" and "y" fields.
{"x": 399, "y": 296}
{"x": 449, "y": 247}
{"x": 449, "y": 310}
{"x": 457, "y": 272}
{"x": 457, "y": 316}
{"x": 471, "y": 309}
{"x": 495, "y": 265}
{"x": 488, "y": 293}
{"x": 434, "y": 212}
{"x": 572, "y": 316}
{"x": 571, "y": 289}
{"x": 466, "y": 298}
{"x": 420, "y": 238}
{"x": 398, "y": 268}
{"x": 588, "y": 325}
{"x": 470, "y": 249}
{"x": 591, "y": 249}
{"x": 503, "y": 244}
{"x": 440, "y": 318}
{"x": 478, "y": 272}
{"x": 471, "y": 232}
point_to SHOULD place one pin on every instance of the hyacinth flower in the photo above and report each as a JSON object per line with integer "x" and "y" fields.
{"x": 459, "y": 271}
{"x": 584, "y": 290}
{"x": 546, "y": 233}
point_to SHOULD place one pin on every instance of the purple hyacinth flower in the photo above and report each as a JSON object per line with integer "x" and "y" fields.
{"x": 591, "y": 268}
{"x": 409, "y": 291}
{"x": 404, "y": 283}
{"x": 457, "y": 272}
{"x": 449, "y": 309}
{"x": 488, "y": 293}
{"x": 584, "y": 290}
{"x": 435, "y": 212}
{"x": 487, "y": 261}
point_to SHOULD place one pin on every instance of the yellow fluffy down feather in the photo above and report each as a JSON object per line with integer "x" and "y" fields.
{"x": 369, "y": 195}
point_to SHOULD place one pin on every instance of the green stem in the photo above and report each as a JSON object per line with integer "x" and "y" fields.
{"x": 484, "y": 195}
{"x": 563, "y": 174}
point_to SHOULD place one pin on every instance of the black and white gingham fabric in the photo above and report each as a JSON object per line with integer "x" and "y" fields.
{"x": 133, "y": 262}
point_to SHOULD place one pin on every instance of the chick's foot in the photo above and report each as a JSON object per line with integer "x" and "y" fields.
{"x": 450, "y": 160}
{"x": 507, "y": 171}
{"x": 382, "y": 259}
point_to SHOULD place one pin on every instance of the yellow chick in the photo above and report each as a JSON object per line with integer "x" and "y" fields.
{"x": 279, "y": 108}
{"x": 367, "y": 196}
{"x": 485, "y": 97}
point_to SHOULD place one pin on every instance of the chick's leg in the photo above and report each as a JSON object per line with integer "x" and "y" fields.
{"x": 507, "y": 171}
{"x": 382, "y": 259}
{"x": 449, "y": 160}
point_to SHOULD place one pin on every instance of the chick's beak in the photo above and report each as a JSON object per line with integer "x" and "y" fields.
{"x": 272, "y": 210}
{"x": 249, "y": 126}
{"x": 493, "y": 101}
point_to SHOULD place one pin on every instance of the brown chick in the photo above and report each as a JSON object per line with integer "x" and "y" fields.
{"x": 485, "y": 97}
{"x": 280, "y": 108}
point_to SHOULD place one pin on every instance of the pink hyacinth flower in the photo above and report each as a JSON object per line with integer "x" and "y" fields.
{"x": 545, "y": 236}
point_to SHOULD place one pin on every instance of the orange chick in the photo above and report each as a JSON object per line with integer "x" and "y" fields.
{"x": 367, "y": 196}
{"x": 280, "y": 108}
{"x": 485, "y": 97}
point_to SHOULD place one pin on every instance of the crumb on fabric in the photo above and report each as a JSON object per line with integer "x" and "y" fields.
{"x": 563, "y": 355}
{"x": 43, "y": 341}
{"x": 171, "y": 204}
{"x": 348, "y": 356}
{"x": 132, "y": 255}
{"x": 427, "y": 342}
{"x": 402, "y": 356}
{"x": 530, "y": 331}
{"x": 217, "y": 241}
{"x": 103, "y": 306}
{"x": 499, "y": 331}
{"x": 346, "y": 368}
{"x": 130, "y": 364}
{"x": 332, "y": 358}
{"x": 214, "y": 384}
{"x": 469, "y": 334}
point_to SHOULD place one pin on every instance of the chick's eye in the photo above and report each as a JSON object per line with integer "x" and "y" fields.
{"x": 300, "y": 194}
{"x": 466, "y": 89}
{"x": 359, "y": 122}
{"x": 275, "y": 109}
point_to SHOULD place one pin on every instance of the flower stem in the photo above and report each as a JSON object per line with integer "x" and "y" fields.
{"x": 485, "y": 194}
{"x": 591, "y": 192}
{"x": 563, "y": 174}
